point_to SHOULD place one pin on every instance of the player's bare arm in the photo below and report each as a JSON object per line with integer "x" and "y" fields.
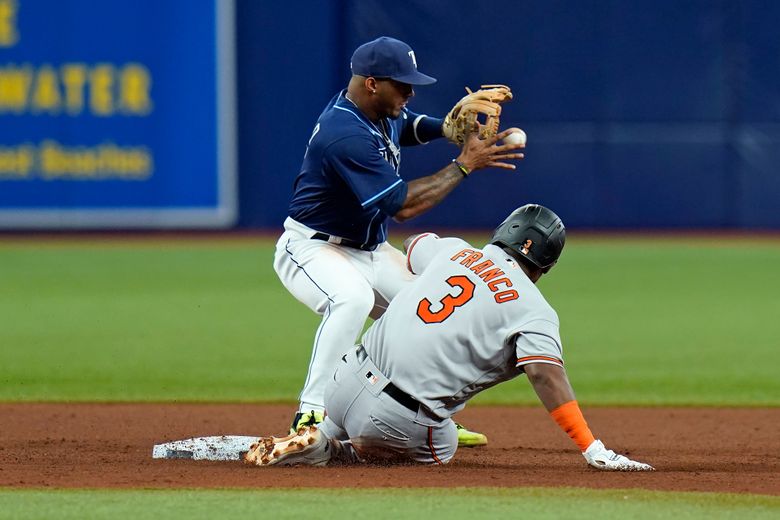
{"x": 551, "y": 384}
{"x": 426, "y": 192}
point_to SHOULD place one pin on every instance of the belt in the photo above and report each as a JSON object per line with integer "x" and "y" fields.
{"x": 393, "y": 391}
{"x": 402, "y": 397}
{"x": 354, "y": 244}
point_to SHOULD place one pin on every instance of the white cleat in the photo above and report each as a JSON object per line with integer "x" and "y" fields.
{"x": 308, "y": 446}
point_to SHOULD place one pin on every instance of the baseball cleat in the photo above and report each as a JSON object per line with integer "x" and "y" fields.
{"x": 308, "y": 446}
{"x": 302, "y": 419}
{"x": 470, "y": 439}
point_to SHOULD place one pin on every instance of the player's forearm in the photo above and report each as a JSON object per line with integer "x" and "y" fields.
{"x": 427, "y": 192}
{"x": 552, "y": 386}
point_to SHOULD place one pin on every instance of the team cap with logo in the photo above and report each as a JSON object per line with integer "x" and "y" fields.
{"x": 387, "y": 57}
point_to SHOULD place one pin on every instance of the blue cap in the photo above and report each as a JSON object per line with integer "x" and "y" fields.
{"x": 388, "y": 58}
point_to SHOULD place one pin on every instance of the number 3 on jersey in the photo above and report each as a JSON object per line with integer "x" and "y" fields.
{"x": 449, "y": 303}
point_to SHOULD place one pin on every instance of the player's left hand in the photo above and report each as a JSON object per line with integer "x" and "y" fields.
{"x": 600, "y": 457}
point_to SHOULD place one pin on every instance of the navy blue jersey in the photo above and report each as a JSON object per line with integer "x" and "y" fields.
{"x": 349, "y": 182}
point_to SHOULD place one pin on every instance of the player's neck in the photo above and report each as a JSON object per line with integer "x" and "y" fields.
{"x": 532, "y": 275}
{"x": 363, "y": 105}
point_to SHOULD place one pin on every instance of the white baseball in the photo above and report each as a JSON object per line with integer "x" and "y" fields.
{"x": 516, "y": 137}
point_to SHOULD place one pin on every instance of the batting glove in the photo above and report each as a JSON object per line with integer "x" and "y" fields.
{"x": 600, "y": 457}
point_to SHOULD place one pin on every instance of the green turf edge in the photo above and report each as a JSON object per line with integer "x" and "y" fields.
{"x": 377, "y": 503}
{"x": 475, "y": 403}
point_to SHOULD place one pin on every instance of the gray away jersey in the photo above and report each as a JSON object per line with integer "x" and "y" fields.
{"x": 471, "y": 320}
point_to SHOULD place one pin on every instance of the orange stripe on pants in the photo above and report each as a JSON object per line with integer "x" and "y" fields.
{"x": 430, "y": 445}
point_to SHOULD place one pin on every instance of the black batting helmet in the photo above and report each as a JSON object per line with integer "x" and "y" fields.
{"x": 535, "y": 232}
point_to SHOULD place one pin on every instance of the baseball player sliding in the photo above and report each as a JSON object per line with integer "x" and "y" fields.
{"x": 333, "y": 255}
{"x": 472, "y": 319}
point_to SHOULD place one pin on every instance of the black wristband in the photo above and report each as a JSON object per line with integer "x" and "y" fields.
{"x": 462, "y": 167}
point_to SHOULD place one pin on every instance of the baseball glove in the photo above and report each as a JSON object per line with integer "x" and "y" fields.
{"x": 463, "y": 118}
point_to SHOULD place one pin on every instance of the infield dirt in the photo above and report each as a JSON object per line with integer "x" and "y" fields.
{"x": 733, "y": 450}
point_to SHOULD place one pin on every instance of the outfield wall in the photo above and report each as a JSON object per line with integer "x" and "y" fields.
{"x": 640, "y": 114}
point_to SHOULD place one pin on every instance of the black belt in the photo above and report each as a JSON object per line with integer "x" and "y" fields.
{"x": 393, "y": 391}
{"x": 402, "y": 397}
{"x": 354, "y": 244}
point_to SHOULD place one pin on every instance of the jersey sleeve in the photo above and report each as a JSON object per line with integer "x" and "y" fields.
{"x": 426, "y": 246}
{"x": 419, "y": 129}
{"x": 539, "y": 342}
{"x": 358, "y": 160}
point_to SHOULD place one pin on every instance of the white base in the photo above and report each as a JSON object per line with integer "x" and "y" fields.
{"x": 218, "y": 447}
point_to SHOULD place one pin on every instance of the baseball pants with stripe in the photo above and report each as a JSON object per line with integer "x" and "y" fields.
{"x": 366, "y": 423}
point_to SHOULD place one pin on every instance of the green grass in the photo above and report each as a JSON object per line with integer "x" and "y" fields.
{"x": 198, "y": 321}
{"x": 453, "y": 504}
{"x": 643, "y": 321}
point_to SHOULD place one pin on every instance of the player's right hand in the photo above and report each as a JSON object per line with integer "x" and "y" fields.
{"x": 600, "y": 457}
{"x": 482, "y": 153}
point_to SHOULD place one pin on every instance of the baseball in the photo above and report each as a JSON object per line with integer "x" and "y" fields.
{"x": 516, "y": 137}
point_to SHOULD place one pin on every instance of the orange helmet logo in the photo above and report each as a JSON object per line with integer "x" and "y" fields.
{"x": 526, "y": 246}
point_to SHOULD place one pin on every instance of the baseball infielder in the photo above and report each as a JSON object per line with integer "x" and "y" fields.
{"x": 333, "y": 255}
{"x": 472, "y": 319}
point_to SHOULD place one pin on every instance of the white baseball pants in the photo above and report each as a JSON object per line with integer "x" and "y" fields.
{"x": 344, "y": 286}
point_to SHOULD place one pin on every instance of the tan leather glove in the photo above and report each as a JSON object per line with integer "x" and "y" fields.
{"x": 464, "y": 118}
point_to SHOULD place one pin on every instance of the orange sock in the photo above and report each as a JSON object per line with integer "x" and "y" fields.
{"x": 569, "y": 417}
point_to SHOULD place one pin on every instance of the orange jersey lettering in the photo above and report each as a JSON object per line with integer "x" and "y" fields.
{"x": 461, "y": 254}
{"x": 506, "y": 296}
{"x": 492, "y": 273}
{"x": 494, "y": 278}
{"x": 493, "y": 285}
{"x": 482, "y": 266}
{"x": 473, "y": 257}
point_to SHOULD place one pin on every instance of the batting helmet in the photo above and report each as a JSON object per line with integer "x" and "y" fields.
{"x": 535, "y": 232}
